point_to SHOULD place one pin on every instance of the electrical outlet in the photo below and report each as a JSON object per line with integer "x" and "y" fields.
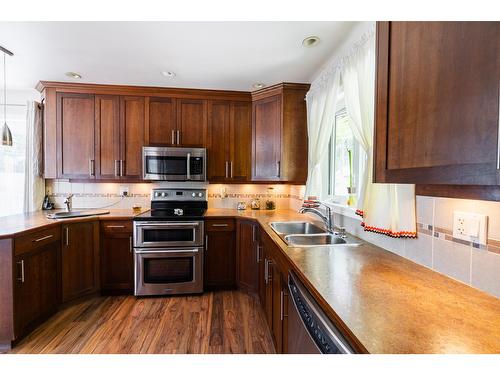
{"x": 469, "y": 226}
{"x": 124, "y": 190}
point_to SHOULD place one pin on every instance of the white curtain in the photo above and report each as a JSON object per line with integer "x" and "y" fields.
{"x": 386, "y": 208}
{"x": 34, "y": 184}
{"x": 321, "y": 103}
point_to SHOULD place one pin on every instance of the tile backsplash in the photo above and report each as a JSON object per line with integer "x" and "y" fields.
{"x": 434, "y": 248}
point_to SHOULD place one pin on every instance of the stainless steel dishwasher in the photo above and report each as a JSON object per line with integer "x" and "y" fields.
{"x": 309, "y": 329}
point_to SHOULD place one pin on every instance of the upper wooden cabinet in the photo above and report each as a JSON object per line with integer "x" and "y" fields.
{"x": 162, "y": 122}
{"x": 279, "y": 133}
{"x": 75, "y": 136}
{"x": 229, "y": 141}
{"x": 107, "y": 136}
{"x": 437, "y": 103}
{"x": 131, "y": 136}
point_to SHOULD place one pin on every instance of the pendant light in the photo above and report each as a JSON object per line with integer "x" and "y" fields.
{"x": 6, "y": 134}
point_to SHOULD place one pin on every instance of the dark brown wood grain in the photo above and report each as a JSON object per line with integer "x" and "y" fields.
{"x": 132, "y": 137}
{"x": 107, "y": 137}
{"x": 49, "y": 102}
{"x": 240, "y": 130}
{"x": 192, "y": 122}
{"x": 220, "y": 141}
{"x": 437, "y": 103}
{"x": 162, "y": 121}
{"x": 247, "y": 270}
{"x": 220, "y": 254}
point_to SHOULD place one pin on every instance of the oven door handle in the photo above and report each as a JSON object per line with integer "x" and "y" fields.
{"x": 188, "y": 165}
{"x": 159, "y": 252}
{"x": 153, "y": 225}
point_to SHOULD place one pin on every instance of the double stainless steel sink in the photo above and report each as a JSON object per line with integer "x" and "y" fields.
{"x": 305, "y": 234}
{"x": 70, "y": 214}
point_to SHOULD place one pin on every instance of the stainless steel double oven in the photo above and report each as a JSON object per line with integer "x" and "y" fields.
{"x": 168, "y": 243}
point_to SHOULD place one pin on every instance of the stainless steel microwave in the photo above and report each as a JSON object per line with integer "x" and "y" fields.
{"x": 174, "y": 164}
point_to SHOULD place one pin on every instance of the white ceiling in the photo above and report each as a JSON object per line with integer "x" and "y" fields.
{"x": 219, "y": 55}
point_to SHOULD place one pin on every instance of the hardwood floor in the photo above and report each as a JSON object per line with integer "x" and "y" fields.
{"x": 215, "y": 322}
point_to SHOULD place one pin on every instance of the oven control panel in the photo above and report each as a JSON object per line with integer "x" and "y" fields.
{"x": 178, "y": 195}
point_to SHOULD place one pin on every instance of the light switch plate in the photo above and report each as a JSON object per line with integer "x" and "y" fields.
{"x": 470, "y": 226}
{"x": 124, "y": 190}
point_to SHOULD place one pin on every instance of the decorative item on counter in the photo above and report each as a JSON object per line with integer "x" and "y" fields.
{"x": 270, "y": 203}
{"x": 351, "y": 190}
{"x": 136, "y": 208}
{"x": 241, "y": 206}
{"x": 255, "y": 204}
{"x": 223, "y": 193}
{"x": 47, "y": 204}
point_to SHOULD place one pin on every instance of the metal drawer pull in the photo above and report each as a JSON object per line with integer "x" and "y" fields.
{"x": 258, "y": 253}
{"x": 43, "y": 238}
{"x": 122, "y": 167}
{"x": 173, "y": 136}
{"x": 115, "y": 226}
{"x": 130, "y": 244}
{"x": 226, "y": 169}
{"x": 278, "y": 166}
{"x": 117, "y": 162}
{"x": 178, "y": 137}
{"x": 66, "y": 231}
{"x": 91, "y": 167}
{"x": 21, "y": 279}
{"x": 281, "y": 306}
{"x": 206, "y": 242}
{"x": 231, "y": 168}
{"x": 219, "y": 225}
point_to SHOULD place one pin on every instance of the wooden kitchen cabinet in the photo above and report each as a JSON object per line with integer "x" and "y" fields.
{"x": 35, "y": 284}
{"x": 162, "y": 122}
{"x": 279, "y": 133}
{"x": 75, "y": 136}
{"x": 117, "y": 258}
{"x": 79, "y": 260}
{"x": 192, "y": 122}
{"x": 131, "y": 136}
{"x": 107, "y": 137}
{"x": 220, "y": 254}
{"x": 437, "y": 103}
{"x": 230, "y": 141}
{"x": 247, "y": 265}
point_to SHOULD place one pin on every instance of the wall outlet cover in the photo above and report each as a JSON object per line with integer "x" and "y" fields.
{"x": 124, "y": 190}
{"x": 470, "y": 226}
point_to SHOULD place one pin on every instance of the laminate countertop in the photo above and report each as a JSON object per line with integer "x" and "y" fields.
{"x": 384, "y": 302}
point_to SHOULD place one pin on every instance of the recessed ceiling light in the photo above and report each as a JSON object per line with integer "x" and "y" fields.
{"x": 168, "y": 74}
{"x": 73, "y": 75}
{"x": 258, "y": 85}
{"x": 310, "y": 41}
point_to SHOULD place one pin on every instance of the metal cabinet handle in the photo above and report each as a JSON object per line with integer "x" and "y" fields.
{"x": 219, "y": 225}
{"x": 130, "y": 244}
{"x": 91, "y": 167}
{"x": 206, "y": 242}
{"x": 258, "y": 253}
{"x": 178, "y": 137}
{"x": 122, "y": 168}
{"x": 227, "y": 169}
{"x": 21, "y": 279}
{"x": 278, "y": 167}
{"x": 117, "y": 173}
{"x": 115, "y": 226}
{"x": 266, "y": 270}
{"x": 281, "y": 305}
{"x": 66, "y": 235}
{"x": 231, "y": 168}
{"x": 43, "y": 238}
{"x": 173, "y": 137}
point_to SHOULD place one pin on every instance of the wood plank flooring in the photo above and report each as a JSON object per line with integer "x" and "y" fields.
{"x": 215, "y": 322}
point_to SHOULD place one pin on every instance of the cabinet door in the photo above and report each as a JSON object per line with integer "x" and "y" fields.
{"x": 132, "y": 136}
{"x": 247, "y": 256}
{"x": 240, "y": 141}
{"x": 79, "y": 260}
{"x": 220, "y": 141}
{"x": 162, "y": 122}
{"x": 117, "y": 259}
{"x": 75, "y": 136}
{"x": 278, "y": 312}
{"x": 266, "y": 139}
{"x": 192, "y": 122}
{"x": 268, "y": 308}
{"x": 35, "y": 286}
{"x": 262, "y": 273}
{"x": 437, "y": 107}
{"x": 107, "y": 142}
{"x": 219, "y": 260}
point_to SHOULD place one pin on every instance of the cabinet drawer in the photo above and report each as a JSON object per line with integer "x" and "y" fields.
{"x": 28, "y": 242}
{"x": 219, "y": 225}
{"x": 113, "y": 227}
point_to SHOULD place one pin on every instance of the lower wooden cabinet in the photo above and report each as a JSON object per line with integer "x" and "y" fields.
{"x": 117, "y": 258}
{"x": 247, "y": 264}
{"x": 220, "y": 254}
{"x": 35, "y": 286}
{"x": 79, "y": 260}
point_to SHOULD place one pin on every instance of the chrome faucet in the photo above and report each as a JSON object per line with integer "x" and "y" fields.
{"x": 69, "y": 202}
{"x": 327, "y": 219}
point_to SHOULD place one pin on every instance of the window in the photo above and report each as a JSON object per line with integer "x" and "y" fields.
{"x": 343, "y": 159}
{"x": 12, "y": 162}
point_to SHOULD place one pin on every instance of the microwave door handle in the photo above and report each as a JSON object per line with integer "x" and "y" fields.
{"x": 188, "y": 166}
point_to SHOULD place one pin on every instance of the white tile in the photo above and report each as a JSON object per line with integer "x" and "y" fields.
{"x": 486, "y": 271}
{"x": 425, "y": 209}
{"x": 452, "y": 259}
{"x": 419, "y": 250}
{"x": 394, "y": 245}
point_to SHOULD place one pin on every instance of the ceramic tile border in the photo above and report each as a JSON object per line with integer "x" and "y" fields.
{"x": 248, "y": 195}
{"x": 447, "y": 235}
{"x": 97, "y": 195}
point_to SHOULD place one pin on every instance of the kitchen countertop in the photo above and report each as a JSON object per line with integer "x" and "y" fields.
{"x": 15, "y": 225}
{"x": 387, "y": 303}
